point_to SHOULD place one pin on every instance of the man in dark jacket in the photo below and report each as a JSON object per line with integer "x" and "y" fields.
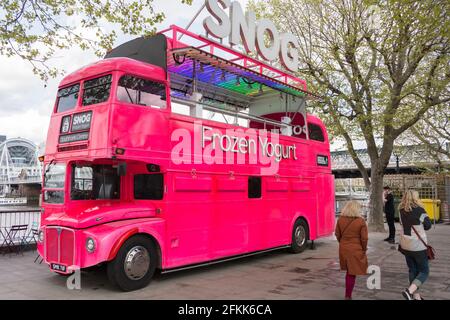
{"x": 389, "y": 211}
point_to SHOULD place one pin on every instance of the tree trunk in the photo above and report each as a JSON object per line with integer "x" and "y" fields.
{"x": 376, "y": 204}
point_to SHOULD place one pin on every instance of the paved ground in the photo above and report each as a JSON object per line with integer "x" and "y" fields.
{"x": 314, "y": 274}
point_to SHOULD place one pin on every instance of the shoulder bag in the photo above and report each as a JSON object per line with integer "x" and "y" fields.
{"x": 430, "y": 251}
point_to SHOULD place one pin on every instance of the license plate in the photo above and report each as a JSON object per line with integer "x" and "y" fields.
{"x": 58, "y": 267}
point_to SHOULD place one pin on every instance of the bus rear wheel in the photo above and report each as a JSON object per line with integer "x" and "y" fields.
{"x": 300, "y": 235}
{"x": 134, "y": 265}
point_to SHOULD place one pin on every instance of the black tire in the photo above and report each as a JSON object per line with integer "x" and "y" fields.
{"x": 137, "y": 246}
{"x": 300, "y": 236}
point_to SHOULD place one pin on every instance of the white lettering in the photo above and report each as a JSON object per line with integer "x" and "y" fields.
{"x": 297, "y": 130}
{"x": 252, "y": 33}
{"x": 264, "y": 27}
{"x": 223, "y": 27}
{"x": 74, "y": 280}
{"x": 374, "y": 280}
{"x": 242, "y": 27}
{"x": 289, "y": 51}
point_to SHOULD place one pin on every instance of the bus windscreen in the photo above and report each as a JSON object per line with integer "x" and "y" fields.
{"x": 93, "y": 182}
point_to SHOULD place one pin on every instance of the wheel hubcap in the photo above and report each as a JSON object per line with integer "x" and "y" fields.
{"x": 300, "y": 236}
{"x": 137, "y": 263}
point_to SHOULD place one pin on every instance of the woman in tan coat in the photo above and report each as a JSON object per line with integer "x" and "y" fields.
{"x": 351, "y": 233}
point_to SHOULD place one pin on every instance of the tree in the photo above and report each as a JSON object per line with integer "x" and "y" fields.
{"x": 34, "y": 29}
{"x": 433, "y": 131}
{"x": 379, "y": 65}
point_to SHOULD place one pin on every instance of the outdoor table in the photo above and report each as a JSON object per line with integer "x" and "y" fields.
{"x": 13, "y": 234}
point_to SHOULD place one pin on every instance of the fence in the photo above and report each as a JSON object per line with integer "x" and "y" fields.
{"x": 433, "y": 187}
{"x": 430, "y": 187}
{"x": 9, "y": 218}
{"x": 351, "y": 189}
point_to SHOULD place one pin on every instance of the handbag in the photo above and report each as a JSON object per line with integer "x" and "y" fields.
{"x": 430, "y": 250}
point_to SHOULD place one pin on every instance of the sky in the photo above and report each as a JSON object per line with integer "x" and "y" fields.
{"x": 26, "y": 103}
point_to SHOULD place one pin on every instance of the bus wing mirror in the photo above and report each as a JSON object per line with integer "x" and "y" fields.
{"x": 122, "y": 169}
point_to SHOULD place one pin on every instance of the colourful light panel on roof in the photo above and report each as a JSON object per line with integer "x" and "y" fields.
{"x": 219, "y": 72}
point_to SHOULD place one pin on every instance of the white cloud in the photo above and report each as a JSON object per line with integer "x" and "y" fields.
{"x": 25, "y": 104}
{"x": 29, "y": 124}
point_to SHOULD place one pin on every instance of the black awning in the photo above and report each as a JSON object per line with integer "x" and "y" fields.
{"x": 151, "y": 50}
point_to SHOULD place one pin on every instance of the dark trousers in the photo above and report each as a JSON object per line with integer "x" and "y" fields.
{"x": 418, "y": 267}
{"x": 390, "y": 219}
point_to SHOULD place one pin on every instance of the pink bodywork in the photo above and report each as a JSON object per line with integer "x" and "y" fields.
{"x": 205, "y": 213}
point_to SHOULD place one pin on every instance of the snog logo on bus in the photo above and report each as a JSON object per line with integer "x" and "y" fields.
{"x": 253, "y": 33}
{"x": 234, "y": 146}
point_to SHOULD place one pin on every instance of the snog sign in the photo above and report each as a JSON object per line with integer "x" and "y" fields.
{"x": 238, "y": 27}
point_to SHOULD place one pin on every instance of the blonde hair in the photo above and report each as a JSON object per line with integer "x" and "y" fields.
{"x": 351, "y": 209}
{"x": 410, "y": 200}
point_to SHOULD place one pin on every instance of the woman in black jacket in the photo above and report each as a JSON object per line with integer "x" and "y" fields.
{"x": 414, "y": 219}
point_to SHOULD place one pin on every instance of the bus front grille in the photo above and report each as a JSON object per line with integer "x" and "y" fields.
{"x": 60, "y": 245}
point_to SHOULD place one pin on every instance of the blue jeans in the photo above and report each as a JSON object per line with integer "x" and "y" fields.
{"x": 418, "y": 267}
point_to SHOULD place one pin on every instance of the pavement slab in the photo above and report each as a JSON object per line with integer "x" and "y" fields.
{"x": 311, "y": 275}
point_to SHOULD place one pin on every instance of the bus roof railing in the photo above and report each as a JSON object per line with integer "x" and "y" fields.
{"x": 207, "y": 51}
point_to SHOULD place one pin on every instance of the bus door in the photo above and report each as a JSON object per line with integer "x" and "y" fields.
{"x": 188, "y": 218}
{"x": 325, "y": 204}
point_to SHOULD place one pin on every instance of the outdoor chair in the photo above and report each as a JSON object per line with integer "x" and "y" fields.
{"x": 32, "y": 235}
{"x": 39, "y": 258}
{"x": 14, "y": 238}
{"x": 32, "y": 238}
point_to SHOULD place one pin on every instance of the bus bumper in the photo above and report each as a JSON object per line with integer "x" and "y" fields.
{"x": 66, "y": 249}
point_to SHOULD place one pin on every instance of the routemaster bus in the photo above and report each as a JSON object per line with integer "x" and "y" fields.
{"x": 176, "y": 151}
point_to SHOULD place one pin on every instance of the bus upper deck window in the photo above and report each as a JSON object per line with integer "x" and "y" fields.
{"x": 96, "y": 90}
{"x": 67, "y": 98}
{"x": 141, "y": 92}
{"x": 315, "y": 132}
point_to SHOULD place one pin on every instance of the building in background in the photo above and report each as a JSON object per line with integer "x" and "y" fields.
{"x": 20, "y": 171}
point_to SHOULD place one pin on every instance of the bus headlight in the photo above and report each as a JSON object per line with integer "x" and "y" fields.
{"x": 90, "y": 245}
{"x": 41, "y": 236}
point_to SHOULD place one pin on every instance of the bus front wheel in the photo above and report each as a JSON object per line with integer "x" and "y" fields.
{"x": 300, "y": 235}
{"x": 134, "y": 265}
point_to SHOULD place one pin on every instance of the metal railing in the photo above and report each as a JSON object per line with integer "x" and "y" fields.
{"x": 18, "y": 180}
{"x": 9, "y": 218}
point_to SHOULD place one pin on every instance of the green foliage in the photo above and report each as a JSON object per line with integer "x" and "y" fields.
{"x": 35, "y": 29}
{"x": 379, "y": 65}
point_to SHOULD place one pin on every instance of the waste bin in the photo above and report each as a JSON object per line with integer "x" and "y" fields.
{"x": 432, "y": 208}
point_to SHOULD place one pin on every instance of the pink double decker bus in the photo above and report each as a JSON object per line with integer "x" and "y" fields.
{"x": 171, "y": 154}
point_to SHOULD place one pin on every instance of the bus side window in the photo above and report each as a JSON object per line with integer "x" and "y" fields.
{"x": 149, "y": 186}
{"x": 141, "y": 92}
{"x": 254, "y": 187}
{"x": 96, "y": 90}
{"x": 315, "y": 132}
